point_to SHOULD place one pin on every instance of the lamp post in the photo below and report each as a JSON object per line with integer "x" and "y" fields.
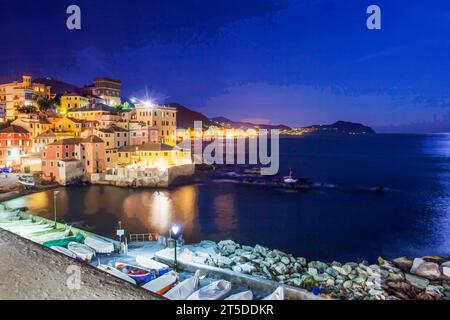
{"x": 54, "y": 205}
{"x": 174, "y": 231}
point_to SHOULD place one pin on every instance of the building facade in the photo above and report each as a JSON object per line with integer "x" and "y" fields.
{"x": 14, "y": 142}
{"x": 105, "y": 88}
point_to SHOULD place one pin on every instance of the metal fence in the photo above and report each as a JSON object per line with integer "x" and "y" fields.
{"x": 142, "y": 237}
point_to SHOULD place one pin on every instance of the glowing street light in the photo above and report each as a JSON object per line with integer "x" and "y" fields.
{"x": 174, "y": 230}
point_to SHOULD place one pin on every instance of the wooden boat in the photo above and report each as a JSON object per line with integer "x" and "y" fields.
{"x": 51, "y": 236}
{"x": 116, "y": 273}
{"x": 26, "y": 181}
{"x": 213, "y": 291}
{"x": 185, "y": 288}
{"x": 151, "y": 264}
{"x": 82, "y": 251}
{"x": 245, "y": 295}
{"x": 278, "y": 294}
{"x": 99, "y": 245}
{"x": 46, "y": 232}
{"x": 64, "y": 251}
{"x": 162, "y": 284}
{"x": 137, "y": 273}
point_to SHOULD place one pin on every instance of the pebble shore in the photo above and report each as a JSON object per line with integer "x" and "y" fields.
{"x": 426, "y": 278}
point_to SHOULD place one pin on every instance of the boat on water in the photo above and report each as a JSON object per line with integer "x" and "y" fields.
{"x": 81, "y": 250}
{"x": 289, "y": 179}
{"x": 163, "y": 283}
{"x": 64, "y": 251}
{"x": 99, "y": 245}
{"x": 139, "y": 274}
{"x": 185, "y": 288}
{"x": 26, "y": 180}
{"x": 116, "y": 273}
{"x": 245, "y": 295}
{"x": 213, "y": 291}
{"x": 152, "y": 264}
{"x": 278, "y": 294}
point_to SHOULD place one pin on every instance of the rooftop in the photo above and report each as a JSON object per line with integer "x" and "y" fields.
{"x": 147, "y": 147}
{"x": 13, "y": 129}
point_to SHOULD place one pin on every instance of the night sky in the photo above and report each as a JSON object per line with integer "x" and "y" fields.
{"x": 293, "y": 62}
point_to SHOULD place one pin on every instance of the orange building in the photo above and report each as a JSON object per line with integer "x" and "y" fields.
{"x": 15, "y": 141}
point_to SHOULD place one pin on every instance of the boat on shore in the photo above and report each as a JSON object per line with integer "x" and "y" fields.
{"x": 245, "y": 295}
{"x": 213, "y": 291}
{"x": 99, "y": 245}
{"x": 139, "y": 274}
{"x": 64, "y": 251}
{"x": 116, "y": 273}
{"x": 278, "y": 294}
{"x": 185, "y": 288}
{"x": 162, "y": 284}
{"x": 152, "y": 264}
{"x": 82, "y": 251}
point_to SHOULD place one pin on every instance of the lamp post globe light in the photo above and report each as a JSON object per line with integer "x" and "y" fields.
{"x": 174, "y": 230}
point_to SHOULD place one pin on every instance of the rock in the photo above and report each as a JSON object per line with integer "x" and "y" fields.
{"x": 312, "y": 271}
{"x": 302, "y": 261}
{"x": 236, "y": 269}
{"x": 285, "y": 260}
{"x": 347, "y": 284}
{"x": 416, "y": 263}
{"x": 224, "y": 261}
{"x": 359, "y": 279}
{"x": 281, "y": 278}
{"x": 321, "y": 277}
{"x": 424, "y": 296}
{"x": 247, "y": 248}
{"x": 397, "y": 277}
{"x": 435, "y": 259}
{"x": 320, "y": 266}
{"x": 429, "y": 270}
{"x": 263, "y": 251}
{"x": 297, "y": 282}
{"x": 376, "y": 292}
{"x": 332, "y": 272}
{"x": 342, "y": 270}
{"x": 446, "y": 271}
{"x": 280, "y": 268}
{"x": 447, "y": 294}
{"x": 329, "y": 282}
{"x": 247, "y": 268}
{"x": 417, "y": 281}
{"x": 267, "y": 272}
{"x": 436, "y": 291}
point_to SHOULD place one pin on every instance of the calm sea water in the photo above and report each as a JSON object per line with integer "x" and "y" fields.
{"x": 345, "y": 221}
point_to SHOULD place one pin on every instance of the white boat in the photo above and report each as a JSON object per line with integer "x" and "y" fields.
{"x": 116, "y": 273}
{"x": 245, "y": 295}
{"x": 162, "y": 284}
{"x": 151, "y": 264}
{"x": 64, "y": 251}
{"x": 82, "y": 251}
{"x": 51, "y": 236}
{"x": 31, "y": 231}
{"x": 278, "y": 294}
{"x": 289, "y": 180}
{"x": 185, "y": 288}
{"x": 99, "y": 245}
{"x": 213, "y": 291}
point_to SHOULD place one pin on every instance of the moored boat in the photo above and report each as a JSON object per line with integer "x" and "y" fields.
{"x": 82, "y": 251}
{"x": 64, "y": 242}
{"x": 152, "y": 264}
{"x": 185, "y": 288}
{"x": 162, "y": 284}
{"x": 116, "y": 273}
{"x": 51, "y": 236}
{"x": 139, "y": 274}
{"x": 278, "y": 294}
{"x": 99, "y": 245}
{"x": 214, "y": 291}
{"x": 64, "y": 251}
{"x": 245, "y": 295}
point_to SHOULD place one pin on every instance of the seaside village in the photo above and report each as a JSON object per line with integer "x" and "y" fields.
{"x": 91, "y": 135}
{"x": 88, "y": 134}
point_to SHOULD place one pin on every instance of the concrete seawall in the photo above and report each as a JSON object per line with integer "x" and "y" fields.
{"x": 30, "y": 271}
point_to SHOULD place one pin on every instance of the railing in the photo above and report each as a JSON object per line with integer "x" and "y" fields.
{"x": 142, "y": 237}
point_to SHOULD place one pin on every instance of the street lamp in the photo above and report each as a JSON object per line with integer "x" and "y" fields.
{"x": 54, "y": 205}
{"x": 174, "y": 229}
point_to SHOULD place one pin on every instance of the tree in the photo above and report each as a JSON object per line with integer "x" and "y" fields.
{"x": 45, "y": 103}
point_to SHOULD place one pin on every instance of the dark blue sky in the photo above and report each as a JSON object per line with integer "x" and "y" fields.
{"x": 290, "y": 61}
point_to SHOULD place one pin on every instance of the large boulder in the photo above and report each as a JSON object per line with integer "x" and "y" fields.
{"x": 227, "y": 247}
{"x": 416, "y": 263}
{"x": 404, "y": 263}
{"x": 417, "y": 281}
{"x": 280, "y": 268}
{"x": 429, "y": 270}
{"x": 262, "y": 251}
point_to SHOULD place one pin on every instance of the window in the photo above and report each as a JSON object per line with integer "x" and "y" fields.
{"x": 67, "y": 154}
{"x": 57, "y": 154}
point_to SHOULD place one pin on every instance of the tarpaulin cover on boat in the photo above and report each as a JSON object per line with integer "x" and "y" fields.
{"x": 64, "y": 241}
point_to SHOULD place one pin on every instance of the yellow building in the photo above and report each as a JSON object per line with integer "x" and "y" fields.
{"x": 33, "y": 123}
{"x": 50, "y": 136}
{"x": 16, "y": 94}
{"x": 162, "y": 118}
{"x": 153, "y": 155}
{"x": 72, "y": 100}
{"x": 92, "y": 112}
{"x": 69, "y": 125}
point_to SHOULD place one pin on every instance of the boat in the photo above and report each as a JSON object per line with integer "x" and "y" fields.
{"x": 82, "y": 251}
{"x": 139, "y": 274}
{"x": 64, "y": 251}
{"x": 64, "y": 242}
{"x": 151, "y": 264}
{"x": 51, "y": 236}
{"x": 46, "y": 232}
{"x": 278, "y": 294}
{"x": 26, "y": 181}
{"x": 289, "y": 179}
{"x": 99, "y": 245}
{"x": 116, "y": 273}
{"x": 185, "y": 288}
{"x": 244, "y": 295}
{"x": 162, "y": 284}
{"x": 213, "y": 291}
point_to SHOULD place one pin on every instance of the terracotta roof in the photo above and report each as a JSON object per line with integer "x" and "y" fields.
{"x": 147, "y": 147}
{"x": 113, "y": 128}
{"x": 92, "y": 139}
{"x": 66, "y": 141}
{"x": 13, "y": 129}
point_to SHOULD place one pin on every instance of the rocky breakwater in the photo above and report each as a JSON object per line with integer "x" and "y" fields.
{"x": 426, "y": 278}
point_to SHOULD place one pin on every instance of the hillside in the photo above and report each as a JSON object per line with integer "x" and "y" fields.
{"x": 222, "y": 121}
{"x": 339, "y": 127}
{"x": 186, "y": 116}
